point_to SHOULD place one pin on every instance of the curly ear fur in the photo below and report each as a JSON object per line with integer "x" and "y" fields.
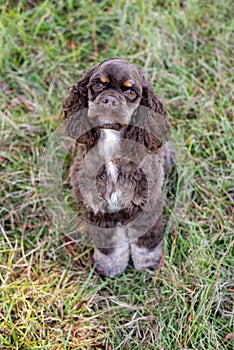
{"x": 149, "y": 98}
{"x": 75, "y": 111}
{"x": 151, "y": 124}
{"x": 78, "y": 95}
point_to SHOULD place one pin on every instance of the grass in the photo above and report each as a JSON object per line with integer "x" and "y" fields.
{"x": 50, "y": 296}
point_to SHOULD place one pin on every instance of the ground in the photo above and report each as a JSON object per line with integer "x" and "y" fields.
{"x": 50, "y": 296}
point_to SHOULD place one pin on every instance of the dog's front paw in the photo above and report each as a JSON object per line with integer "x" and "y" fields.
{"x": 111, "y": 262}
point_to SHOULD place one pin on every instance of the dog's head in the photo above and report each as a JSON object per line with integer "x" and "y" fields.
{"x": 114, "y": 92}
{"x": 108, "y": 95}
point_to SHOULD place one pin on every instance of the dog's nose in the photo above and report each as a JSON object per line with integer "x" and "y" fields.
{"x": 109, "y": 100}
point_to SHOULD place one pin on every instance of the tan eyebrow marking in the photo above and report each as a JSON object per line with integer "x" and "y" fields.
{"x": 128, "y": 83}
{"x": 104, "y": 79}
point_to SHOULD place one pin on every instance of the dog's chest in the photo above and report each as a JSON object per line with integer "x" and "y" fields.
{"x": 116, "y": 190}
{"x": 109, "y": 144}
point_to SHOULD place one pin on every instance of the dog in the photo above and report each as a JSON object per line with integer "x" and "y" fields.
{"x": 122, "y": 133}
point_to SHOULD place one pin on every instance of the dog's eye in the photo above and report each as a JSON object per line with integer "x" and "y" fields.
{"x": 97, "y": 86}
{"x": 131, "y": 93}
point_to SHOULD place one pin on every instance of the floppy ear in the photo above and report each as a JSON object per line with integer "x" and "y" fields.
{"x": 78, "y": 95}
{"x": 75, "y": 111}
{"x": 149, "y": 98}
{"x": 151, "y": 124}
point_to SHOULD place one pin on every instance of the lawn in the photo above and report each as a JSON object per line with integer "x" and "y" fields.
{"x": 50, "y": 295}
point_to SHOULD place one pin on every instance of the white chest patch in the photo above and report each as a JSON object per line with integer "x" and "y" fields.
{"x": 109, "y": 147}
{"x": 109, "y": 143}
{"x": 112, "y": 171}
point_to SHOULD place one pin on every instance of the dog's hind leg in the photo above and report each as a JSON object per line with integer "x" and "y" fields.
{"x": 146, "y": 251}
{"x": 111, "y": 251}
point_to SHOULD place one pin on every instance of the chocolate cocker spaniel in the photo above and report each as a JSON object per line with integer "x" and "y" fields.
{"x": 123, "y": 156}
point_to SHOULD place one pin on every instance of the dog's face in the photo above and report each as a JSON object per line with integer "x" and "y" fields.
{"x": 114, "y": 92}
